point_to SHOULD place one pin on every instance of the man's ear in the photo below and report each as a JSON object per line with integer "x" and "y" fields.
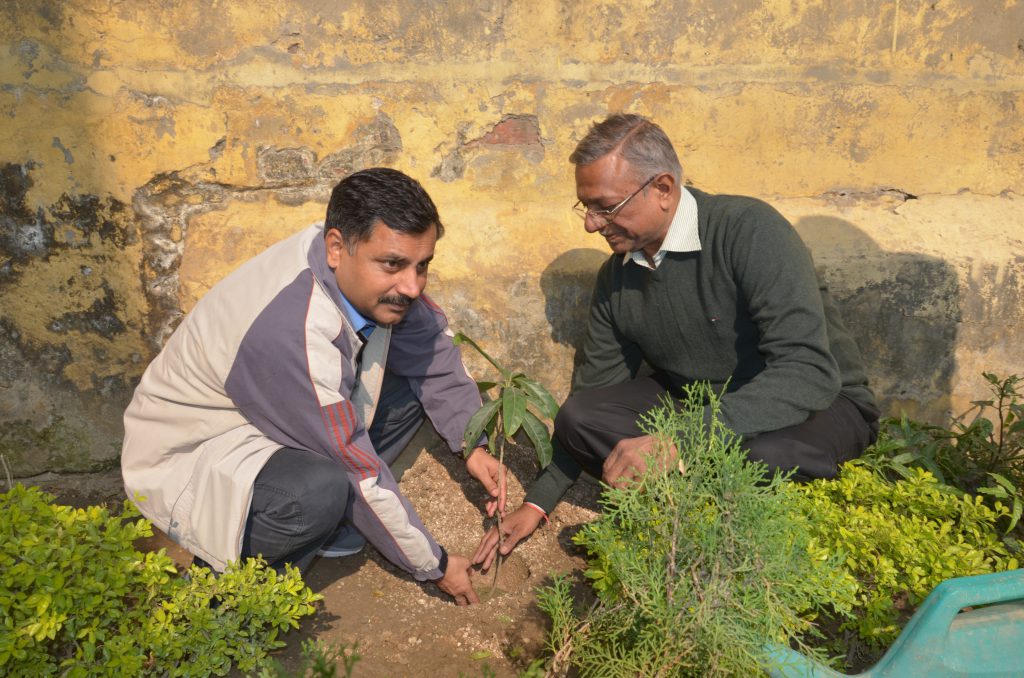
{"x": 336, "y": 248}
{"x": 665, "y": 187}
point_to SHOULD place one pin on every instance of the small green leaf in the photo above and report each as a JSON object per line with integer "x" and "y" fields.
{"x": 513, "y": 407}
{"x": 479, "y": 422}
{"x": 461, "y": 338}
{"x": 539, "y": 436}
{"x": 539, "y": 397}
{"x": 904, "y": 458}
{"x": 1015, "y": 517}
{"x": 484, "y": 386}
{"x": 480, "y": 654}
{"x": 1003, "y": 482}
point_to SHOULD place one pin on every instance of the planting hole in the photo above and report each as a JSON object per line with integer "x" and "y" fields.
{"x": 512, "y": 577}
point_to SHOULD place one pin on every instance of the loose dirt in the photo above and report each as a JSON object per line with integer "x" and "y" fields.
{"x": 404, "y": 627}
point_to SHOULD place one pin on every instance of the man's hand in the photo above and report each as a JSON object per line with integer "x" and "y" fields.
{"x": 629, "y": 459}
{"x": 491, "y": 475}
{"x": 456, "y": 583}
{"x": 515, "y": 527}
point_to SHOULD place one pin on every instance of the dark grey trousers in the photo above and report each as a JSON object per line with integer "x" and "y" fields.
{"x": 590, "y": 423}
{"x": 300, "y": 497}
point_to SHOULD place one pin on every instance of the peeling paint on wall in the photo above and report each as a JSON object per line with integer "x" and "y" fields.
{"x": 292, "y": 176}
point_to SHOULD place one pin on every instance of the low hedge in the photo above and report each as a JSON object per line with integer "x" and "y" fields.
{"x": 78, "y": 599}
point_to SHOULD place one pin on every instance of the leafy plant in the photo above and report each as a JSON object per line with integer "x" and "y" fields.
{"x": 520, "y": 404}
{"x": 982, "y": 451}
{"x": 77, "y": 599}
{"x": 899, "y": 539}
{"x": 696, "y": 568}
{"x": 556, "y": 601}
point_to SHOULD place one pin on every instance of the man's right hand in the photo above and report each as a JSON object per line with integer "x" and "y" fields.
{"x": 456, "y": 583}
{"x": 515, "y": 527}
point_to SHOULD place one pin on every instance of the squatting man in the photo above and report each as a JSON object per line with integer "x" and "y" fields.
{"x": 698, "y": 287}
{"x": 268, "y": 423}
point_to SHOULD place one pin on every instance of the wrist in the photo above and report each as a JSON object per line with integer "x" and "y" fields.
{"x": 468, "y": 454}
{"x": 442, "y": 563}
{"x": 543, "y": 514}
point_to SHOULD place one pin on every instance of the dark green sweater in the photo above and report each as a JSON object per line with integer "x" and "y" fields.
{"x": 746, "y": 309}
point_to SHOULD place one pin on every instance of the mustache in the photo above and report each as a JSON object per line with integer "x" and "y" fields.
{"x": 396, "y": 300}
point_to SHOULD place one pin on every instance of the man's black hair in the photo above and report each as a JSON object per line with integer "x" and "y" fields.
{"x": 383, "y": 194}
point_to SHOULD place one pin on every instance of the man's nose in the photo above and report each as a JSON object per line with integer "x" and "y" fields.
{"x": 592, "y": 224}
{"x": 411, "y": 283}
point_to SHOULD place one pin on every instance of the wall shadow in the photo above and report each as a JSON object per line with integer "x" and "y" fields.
{"x": 903, "y": 310}
{"x": 567, "y": 284}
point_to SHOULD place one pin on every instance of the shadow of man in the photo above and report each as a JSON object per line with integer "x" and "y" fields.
{"x": 903, "y": 310}
{"x": 568, "y": 284}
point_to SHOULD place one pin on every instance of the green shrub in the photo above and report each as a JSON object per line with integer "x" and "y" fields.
{"x": 77, "y": 599}
{"x": 697, "y": 568}
{"x": 982, "y": 451}
{"x": 900, "y": 539}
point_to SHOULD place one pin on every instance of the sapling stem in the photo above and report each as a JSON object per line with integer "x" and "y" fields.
{"x": 497, "y": 513}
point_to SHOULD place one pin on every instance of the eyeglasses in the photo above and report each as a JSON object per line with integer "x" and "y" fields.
{"x": 604, "y": 217}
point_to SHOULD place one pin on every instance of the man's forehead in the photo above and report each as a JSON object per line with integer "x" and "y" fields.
{"x": 604, "y": 175}
{"x": 386, "y": 242}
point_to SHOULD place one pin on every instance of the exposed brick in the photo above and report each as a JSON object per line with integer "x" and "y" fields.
{"x": 514, "y": 130}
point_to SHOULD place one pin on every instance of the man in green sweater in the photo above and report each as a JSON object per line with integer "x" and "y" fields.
{"x": 699, "y": 287}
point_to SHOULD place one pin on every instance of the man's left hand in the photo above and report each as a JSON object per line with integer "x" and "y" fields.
{"x": 629, "y": 460}
{"x": 491, "y": 475}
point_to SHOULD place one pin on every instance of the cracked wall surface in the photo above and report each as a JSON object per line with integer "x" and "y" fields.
{"x": 147, "y": 149}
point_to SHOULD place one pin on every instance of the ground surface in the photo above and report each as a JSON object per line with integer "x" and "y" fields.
{"x": 403, "y": 627}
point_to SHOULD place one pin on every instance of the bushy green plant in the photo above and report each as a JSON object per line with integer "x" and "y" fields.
{"x": 900, "y": 539}
{"x": 982, "y": 450}
{"x": 696, "y": 568}
{"x": 77, "y": 599}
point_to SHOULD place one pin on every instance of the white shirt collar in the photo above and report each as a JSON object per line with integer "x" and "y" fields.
{"x": 682, "y": 233}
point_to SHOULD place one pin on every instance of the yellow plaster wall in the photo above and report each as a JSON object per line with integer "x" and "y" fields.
{"x": 187, "y": 135}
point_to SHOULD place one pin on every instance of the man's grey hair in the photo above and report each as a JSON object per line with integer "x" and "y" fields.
{"x": 641, "y": 142}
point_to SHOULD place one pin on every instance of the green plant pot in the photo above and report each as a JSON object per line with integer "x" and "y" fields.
{"x": 966, "y": 627}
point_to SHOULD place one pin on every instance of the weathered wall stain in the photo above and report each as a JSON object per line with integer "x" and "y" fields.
{"x": 67, "y": 275}
{"x": 167, "y": 204}
{"x": 148, "y": 149}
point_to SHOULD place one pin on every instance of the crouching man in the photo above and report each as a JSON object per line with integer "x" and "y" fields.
{"x": 698, "y": 287}
{"x": 267, "y": 424}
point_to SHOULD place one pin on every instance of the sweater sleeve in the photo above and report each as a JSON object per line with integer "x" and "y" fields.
{"x": 554, "y": 480}
{"x": 292, "y": 378}
{"x": 608, "y": 356}
{"x": 775, "y": 275}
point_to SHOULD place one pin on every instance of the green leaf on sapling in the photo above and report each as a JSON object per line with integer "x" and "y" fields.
{"x": 539, "y": 397}
{"x": 513, "y": 407}
{"x": 479, "y": 422}
{"x": 539, "y": 436}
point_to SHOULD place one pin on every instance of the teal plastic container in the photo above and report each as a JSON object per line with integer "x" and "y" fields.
{"x": 969, "y": 626}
